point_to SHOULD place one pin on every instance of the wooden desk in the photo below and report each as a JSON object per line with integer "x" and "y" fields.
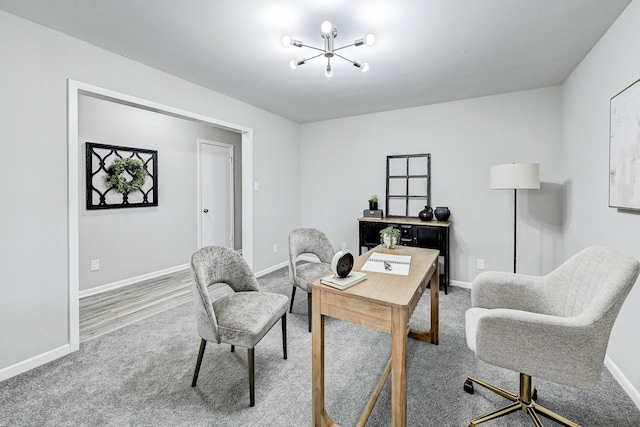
{"x": 383, "y": 302}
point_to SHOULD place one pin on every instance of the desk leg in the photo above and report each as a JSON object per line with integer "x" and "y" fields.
{"x": 435, "y": 303}
{"x": 432, "y": 335}
{"x": 399, "y": 367}
{"x": 317, "y": 349}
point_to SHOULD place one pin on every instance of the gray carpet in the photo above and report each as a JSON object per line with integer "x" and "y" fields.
{"x": 140, "y": 375}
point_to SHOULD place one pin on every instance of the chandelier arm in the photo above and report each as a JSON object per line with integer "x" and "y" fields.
{"x": 314, "y": 57}
{"x": 343, "y": 47}
{"x": 346, "y": 59}
{"x": 312, "y": 47}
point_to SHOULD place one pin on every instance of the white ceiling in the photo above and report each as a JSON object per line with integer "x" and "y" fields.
{"x": 427, "y": 51}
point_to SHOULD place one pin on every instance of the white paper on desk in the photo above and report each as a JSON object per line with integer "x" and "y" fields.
{"x": 388, "y": 263}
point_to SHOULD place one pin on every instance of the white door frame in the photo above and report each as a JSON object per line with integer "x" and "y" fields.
{"x": 74, "y": 90}
{"x": 200, "y": 143}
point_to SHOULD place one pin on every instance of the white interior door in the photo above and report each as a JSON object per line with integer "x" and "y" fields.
{"x": 216, "y": 194}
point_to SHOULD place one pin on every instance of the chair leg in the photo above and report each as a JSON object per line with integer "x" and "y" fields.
{"x": 309, "y": 305}
{"x": 203, "y": 344}
{"x": 283, "y": 321}
{"x": 553, "y": 416}
{"x": 233, "y": 348}
{"x": 293, "y": 294}
{"x": 252, "y": 382}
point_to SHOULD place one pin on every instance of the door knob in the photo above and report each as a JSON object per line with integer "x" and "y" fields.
{"x": 205, "y": 210}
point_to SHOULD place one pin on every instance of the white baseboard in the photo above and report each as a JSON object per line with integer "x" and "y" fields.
{"x": 466, "y": 285}
{"x": 131, "y": 280}
{"x": 622, "y": 380}
{"x": 271, "y": 269}
{"x": 308, "y": 258}
{"x": 34, "y": 362}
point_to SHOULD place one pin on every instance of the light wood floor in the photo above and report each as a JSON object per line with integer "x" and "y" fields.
{"x": 114, "y": 309}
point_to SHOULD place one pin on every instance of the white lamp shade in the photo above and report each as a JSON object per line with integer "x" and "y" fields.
{"x": 514, "y": 176}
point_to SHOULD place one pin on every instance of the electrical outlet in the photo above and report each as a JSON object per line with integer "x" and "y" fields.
{"x": 95, "y": 264}
{"x": 275, "y": 248}
{"x": 256, "y": 186}
{"x": 480, "y": 264}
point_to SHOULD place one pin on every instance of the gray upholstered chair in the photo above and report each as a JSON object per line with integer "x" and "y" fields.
{"x": 554, "y": 327}
{"x": 242, "y": 314}
{"x": 308, "y": 241}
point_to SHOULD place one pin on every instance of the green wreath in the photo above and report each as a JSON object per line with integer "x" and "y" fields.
{"x": 117, "y": 180}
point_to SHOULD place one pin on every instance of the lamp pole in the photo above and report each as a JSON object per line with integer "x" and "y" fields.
{"x": 515, "y": 217}
{"x": 515, "y": 176}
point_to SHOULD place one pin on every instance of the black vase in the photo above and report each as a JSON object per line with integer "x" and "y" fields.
{"x": 373, "y": 206}
{"x": 426, "y": 214}
{"x": 442, "y": 213}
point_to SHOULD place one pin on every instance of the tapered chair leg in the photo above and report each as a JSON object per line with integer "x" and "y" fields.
{"x": 309, "y": 305}
{"x": 293, "y": 294}
{"x": 203, "y": 344}
{"x": 252, "y": 382}
{"x": 283, "y": 321}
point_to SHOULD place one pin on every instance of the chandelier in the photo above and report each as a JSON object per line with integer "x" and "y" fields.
{"x": 328, "y": 32}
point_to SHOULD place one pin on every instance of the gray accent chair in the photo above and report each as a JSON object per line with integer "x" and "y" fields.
{"x": 555, "y": 327}
{"x": 308, "y": 241}
{"x": 230, "y": 308}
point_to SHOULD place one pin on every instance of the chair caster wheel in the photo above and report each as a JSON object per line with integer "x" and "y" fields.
{"x": 468, "y": 386}
{"x": 534, "y": 395}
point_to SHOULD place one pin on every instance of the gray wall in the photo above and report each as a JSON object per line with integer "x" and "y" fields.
{"x": 611, "y": 66}
{"x": 36, "y": 63}
{"x": 136, "y": 241}
{"x": 464, "y": 138}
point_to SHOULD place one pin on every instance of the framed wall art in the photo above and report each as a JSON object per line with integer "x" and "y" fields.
{"x": 120, "y": 177}
{"x": 624, "y": 149}
{"x": 408, "y": 184}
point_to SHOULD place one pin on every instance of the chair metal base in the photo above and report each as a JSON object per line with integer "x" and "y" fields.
{"x": 524, "y": 402}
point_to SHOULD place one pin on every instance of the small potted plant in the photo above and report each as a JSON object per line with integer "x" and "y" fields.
{"x": 373, "y": 203}
{"x": 390, "y": 236}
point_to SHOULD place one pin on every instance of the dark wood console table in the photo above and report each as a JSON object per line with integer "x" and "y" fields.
{"x": 413, "y": 232}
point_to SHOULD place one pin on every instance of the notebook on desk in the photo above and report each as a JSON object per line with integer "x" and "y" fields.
{"x": 388, "y": 263}
{"x": 343, "y": 283}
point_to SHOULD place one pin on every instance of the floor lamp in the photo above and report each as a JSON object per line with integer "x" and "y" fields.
{"x": 515, "y": 176}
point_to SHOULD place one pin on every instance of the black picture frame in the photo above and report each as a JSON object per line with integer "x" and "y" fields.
{"x": 99, "y": 158}
{"x": 408, "y": 184}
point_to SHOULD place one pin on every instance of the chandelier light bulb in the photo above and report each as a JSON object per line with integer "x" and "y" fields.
{"x": 370, "y": 39}
{"x": 326, "y": 27}
{"x": 329, "y": 71}
{"x": 295, "y": 63}
{"x": 286, "y": 40}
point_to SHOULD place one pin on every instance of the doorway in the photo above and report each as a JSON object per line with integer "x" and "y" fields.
{"x": 216, "y": 195}
{"x": 74, "y": 90}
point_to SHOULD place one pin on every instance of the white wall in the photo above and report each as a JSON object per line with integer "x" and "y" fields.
{"x": 612, "y": 65}
{"x": 343, "y": 163}
{"x": 36, "y": 63}
{"x": 136, "y": 241}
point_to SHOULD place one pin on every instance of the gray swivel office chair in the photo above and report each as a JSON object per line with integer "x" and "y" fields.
{"x": 555, "y": 327}
{"x": 242, "y": 315}
{"x": 308, "y": 241}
